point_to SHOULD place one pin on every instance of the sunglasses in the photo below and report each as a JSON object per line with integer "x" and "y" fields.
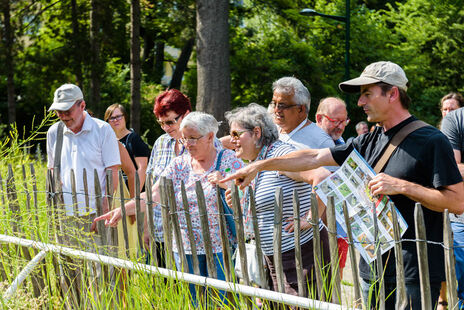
{"x": 116, "y": 118}
{"x": 236, "y": 134}
{"x": 169, "y": 122}
{"x": 337, "y": 122}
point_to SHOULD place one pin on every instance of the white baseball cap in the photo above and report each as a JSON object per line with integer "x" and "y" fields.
{"x": 382, "y": 71}
{"x": 65, "y": 97}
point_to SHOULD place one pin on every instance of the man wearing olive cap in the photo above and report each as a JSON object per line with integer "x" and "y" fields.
{"x": 421, "y": 169}
{"x": 88, "y": 143}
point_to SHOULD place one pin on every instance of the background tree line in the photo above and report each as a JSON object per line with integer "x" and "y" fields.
{"x": 118, "y": 51}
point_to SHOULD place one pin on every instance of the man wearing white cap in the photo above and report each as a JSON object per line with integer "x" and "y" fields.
{"x": 87, "y": 143}
{"x": 421, "y": 169}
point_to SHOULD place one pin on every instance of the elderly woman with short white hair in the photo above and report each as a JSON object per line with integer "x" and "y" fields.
{"x": 198, "y": 164}
{"x": 255, "y": 137}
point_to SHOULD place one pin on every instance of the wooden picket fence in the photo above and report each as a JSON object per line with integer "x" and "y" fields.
{"x": 171, "y": 229}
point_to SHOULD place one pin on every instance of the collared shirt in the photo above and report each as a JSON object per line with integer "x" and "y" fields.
{"x": 94, "y": 147}
{"x": 162, "y": 154}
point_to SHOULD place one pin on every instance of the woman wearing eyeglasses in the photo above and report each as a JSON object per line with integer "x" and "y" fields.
{"x": 139, "y": 152}
{"x": 202, "y": 158}
{"x": 255, "y": 137}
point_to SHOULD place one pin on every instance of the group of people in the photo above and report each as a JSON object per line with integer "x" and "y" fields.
{"x": 277, "y": 146}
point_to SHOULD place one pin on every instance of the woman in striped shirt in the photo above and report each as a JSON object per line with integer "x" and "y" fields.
{"x": 255, "y": 137}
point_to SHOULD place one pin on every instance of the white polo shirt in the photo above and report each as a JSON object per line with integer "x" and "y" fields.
{"x": 94, "y": 147}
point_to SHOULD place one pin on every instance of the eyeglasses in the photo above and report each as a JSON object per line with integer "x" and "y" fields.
{"x": 116, "y": 118}
{"x": 236, "y": 134}
{"x": 191, "y": 141}
{"x": 282, "y": 106}
{"x": 169, "y": 122}
{"x": 337, "y": 122}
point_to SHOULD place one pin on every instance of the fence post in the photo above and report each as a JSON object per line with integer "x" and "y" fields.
{"x": 139, "y": 215}
{"x": 259, "y": 252}
{"x": 86, "y": 191}
{"x": 378, "y": 261}
{"x": 334, "y": 258}
{"x": 99, "y": 205}
{"x": 112, "y": 231}
{"x": 149, "y": 218}
{"x": 277, "y": 239}
{"x": 353, "y": 260}
{"x": 298, "y": 259}
{"x": 166, "y": 224}
{"x": 28, "y": 195}
{"x": 74, "y": 194}
{"x": 125, "y": 231}
{"x": 224, "y": 236}
{"x": 212, "y": 272}
{"x": 3, "y": 193}
{"x": 318, "y": 259}
{"x": 188, "y": 220}
{"x": 450, "y": 263}
{"x": 422, "y": 257}
{"x": 175, "y": 225}
{"x": 34, "y": 193}
{"x": 401, "y": 299}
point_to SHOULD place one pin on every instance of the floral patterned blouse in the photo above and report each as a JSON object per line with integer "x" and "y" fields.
{"x": 181, "y": 169}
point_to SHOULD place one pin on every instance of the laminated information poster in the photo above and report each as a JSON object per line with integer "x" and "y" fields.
{"x": 349, "y": 183}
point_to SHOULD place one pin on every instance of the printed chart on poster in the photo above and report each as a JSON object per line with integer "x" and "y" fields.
{"x": 349, "y": 183}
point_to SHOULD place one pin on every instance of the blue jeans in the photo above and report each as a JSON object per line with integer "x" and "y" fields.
{"x": 458, "y": 232}
{"x": 413, "y": 294}
{"x": 218, "y": 259}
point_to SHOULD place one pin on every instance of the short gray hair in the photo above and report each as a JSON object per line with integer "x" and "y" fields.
{"x": 204, "y": 123}
{"x": 254, "y": 115}
{"x": 291, "y": 85}
{"x": 358, "y": 125}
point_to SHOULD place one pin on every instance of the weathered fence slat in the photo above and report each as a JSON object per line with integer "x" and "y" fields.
{"x": 26, "y": 190}
{"x": 99, "y": 206}
{"x": 149, "y": 218}
{"x": 238, "y": 217}
{"x": 277, "y": 239}
{"x": 112, "y": 231}
{"x": 224, "y": 238}
{"x": 259, "y": 252}
{"x": 86, "y": 190}
{"x": 34, "y": 195}
{"x": 212, "y": 271}
{"x": 318, "y": 260}
{"x": 297, "y": 233}
{"x": 1, "y": 189}
{"x": 401, "y": 299}
{"x": 175, "y": 224}
{"x": 188, "y": 220}
{"x": 124, "y": 214}
{"x": 353, "y": 260}
{"x": 166, "y": 224}
{"x": 139, "y": 215}
{"x": 422, "y": 256}
{"x": 450, "y": 263}
{"x": 334, "y": 258}
{"x": 378, "y": 261}
{"x": 74, "y": 194}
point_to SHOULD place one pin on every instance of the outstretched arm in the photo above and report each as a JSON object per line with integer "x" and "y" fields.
{"x": 296, "y": 161}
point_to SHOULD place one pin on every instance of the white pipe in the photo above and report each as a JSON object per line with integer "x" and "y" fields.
{"x": 23, "y": 274}
{"x": 190, "y": 278}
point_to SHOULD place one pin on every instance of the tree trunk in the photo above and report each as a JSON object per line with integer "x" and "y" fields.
{"x": 213, "y": 57}
{"x": 76, "y": 44}
{"x": 181, "y": 64}
{"x": 95, "y": 66}
{"x": 135, "y": 65}
{"x": 9, "y": 65}
{"x": 148, "y": 54}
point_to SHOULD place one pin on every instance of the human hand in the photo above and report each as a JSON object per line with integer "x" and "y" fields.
{"x": 215, "y": 177}
{"x": 244, "y": 176}
{"x": 111, "y": 218}
{"x": 386, "y": 185}
{"x": 290, "y": 227}
{"x": 228, "y": 194}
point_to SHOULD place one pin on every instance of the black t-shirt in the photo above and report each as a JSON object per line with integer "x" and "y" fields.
{"x": 135, "y": 146}
{"x": 424, "y": 157}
